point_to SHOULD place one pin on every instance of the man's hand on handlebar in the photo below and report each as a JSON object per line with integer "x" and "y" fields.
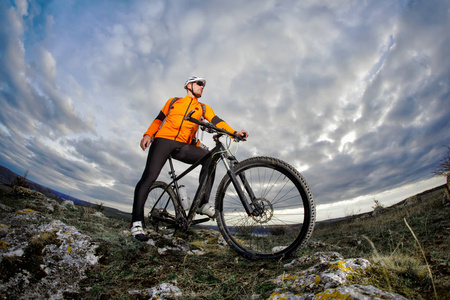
{"x": 146, "y": 141}
{"x": 240, "y": 135}
{"x": 243, "y": 134}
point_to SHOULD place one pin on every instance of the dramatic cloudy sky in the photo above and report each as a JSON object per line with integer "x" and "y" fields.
{"x": 355, "y": 94}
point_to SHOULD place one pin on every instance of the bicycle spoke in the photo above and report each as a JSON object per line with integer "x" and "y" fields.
{"x": 281, "y": 221}
{"x": 159, "y": 207}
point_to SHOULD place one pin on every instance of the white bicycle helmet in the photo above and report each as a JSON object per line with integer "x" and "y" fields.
{"x": 194, "y": 79}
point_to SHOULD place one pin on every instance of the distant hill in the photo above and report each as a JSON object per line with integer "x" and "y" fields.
{"x": 9, "y": 178}
{"x": 398, "y": 205}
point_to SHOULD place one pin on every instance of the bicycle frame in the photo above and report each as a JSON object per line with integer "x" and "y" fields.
{"x": 217, "y": 153}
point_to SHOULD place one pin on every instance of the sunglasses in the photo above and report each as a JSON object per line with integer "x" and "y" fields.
{"x": 200, "y": 83}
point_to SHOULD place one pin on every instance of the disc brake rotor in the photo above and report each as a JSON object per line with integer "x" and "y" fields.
{"x": 265, "y": 211}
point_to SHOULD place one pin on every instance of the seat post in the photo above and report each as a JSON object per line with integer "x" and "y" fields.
{"x": 172, "y": 170}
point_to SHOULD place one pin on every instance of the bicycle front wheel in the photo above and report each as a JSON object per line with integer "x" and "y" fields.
{"x": 286, "y": 209}
{"x": 160, "y": 208}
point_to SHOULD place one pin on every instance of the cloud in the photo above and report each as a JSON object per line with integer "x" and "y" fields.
{"x": 29, "y": 90}
{"x": 352, "y": 94}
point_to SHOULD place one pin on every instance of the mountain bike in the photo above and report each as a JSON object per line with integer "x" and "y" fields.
{"x": 264, "y": 207}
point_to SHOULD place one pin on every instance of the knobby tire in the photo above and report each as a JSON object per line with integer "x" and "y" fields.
{"x": 288, "y": 204}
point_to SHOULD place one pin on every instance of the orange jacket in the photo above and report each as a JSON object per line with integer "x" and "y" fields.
{"x": 173, "y": 125}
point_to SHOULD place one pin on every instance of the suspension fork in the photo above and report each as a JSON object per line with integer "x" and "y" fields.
{"x": 230, "y": 170}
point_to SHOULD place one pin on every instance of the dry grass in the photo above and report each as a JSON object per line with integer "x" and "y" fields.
{"x": 407, "y": 256}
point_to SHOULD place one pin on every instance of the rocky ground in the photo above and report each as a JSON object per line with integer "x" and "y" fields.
{"x": 52, "y": 249}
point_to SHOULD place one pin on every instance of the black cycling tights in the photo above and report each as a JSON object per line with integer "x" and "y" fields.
{"x": 159, "y": 153}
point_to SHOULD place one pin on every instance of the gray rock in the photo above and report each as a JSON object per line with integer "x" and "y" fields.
{"x": 327, "y": 279}
{"x": 162, "y": 291}
{"x": 351, "y": 292}
{"x": 57, "y": 268}
{"x": 68, "y": 204}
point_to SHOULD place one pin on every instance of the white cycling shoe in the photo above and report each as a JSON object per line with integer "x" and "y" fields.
{"x": 137, "y": 230}
{"x": 207, "y": 209}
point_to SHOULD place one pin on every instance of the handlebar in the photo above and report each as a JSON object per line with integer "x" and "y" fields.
{"x": 212, "y": 127}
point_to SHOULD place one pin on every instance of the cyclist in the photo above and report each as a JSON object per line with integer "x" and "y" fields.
{"x": 170, "y": 134}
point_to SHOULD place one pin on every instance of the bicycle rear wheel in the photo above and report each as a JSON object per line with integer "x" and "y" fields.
{"x": 160, "y": 209}
{"x": 286, "y": 204}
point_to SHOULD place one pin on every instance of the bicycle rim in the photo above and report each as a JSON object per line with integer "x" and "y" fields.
{"x": 160, "y": 209}
{"x": 286, "y": 202}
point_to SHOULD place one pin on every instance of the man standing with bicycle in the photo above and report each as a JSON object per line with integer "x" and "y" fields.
{"x": 171, "y": 135}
